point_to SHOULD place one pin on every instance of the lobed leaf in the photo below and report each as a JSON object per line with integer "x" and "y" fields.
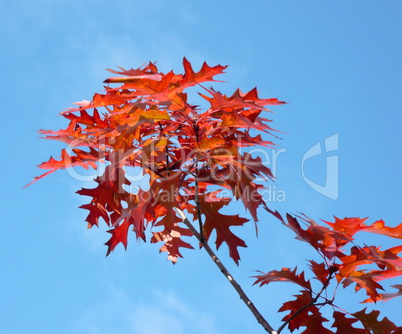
{"x": 373, "y": 325}
{"x": 284, "y": 275}
{"x": 343, "y": 325}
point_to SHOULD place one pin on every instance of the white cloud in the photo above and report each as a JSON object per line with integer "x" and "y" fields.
{"x": 162, "y": 313}
{"x": 151, "y": 320}
{"x": 171, "y": 315}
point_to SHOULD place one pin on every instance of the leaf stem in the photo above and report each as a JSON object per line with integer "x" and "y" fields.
{"x": 261, "y": 320}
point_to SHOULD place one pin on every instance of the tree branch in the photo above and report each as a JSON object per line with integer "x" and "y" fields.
{"x": 261, "y": 320}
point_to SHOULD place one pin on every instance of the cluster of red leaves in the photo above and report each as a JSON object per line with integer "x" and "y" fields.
{"x": 344, "y": 263}
{"x": 186, "y": 156}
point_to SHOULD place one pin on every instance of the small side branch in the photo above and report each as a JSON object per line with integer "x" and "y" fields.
{"x": 197, "y": 202}
{"x": 166, "y": 150}
{"x": 261, "y": 320}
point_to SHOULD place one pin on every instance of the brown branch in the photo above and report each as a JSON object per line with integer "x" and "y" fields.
{"x": 261, "y": 320}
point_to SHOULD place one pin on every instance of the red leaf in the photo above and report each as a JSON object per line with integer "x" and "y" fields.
{"x": 284, "y": 275}
{"x": 238, "y": 100}
{"x": 304, "y": 314}
{"x": 387, "y": 258}
{"x": 81, "y": 159}
{"x": 314, "y": 324}
{"x": 386, "y": 296}
{"x": 105, "y": 199}
{"x": 320, "y": 271}
{"x": 134, "y": 75}
{"x": 294, "y": 306}
{"x": 119, "y": 235}
{"x": 373, "y": 325}
{"x": 343, "y": 325}
{"x": 351, "y": 262}
{"x": 222, "y": 224}
{"x": 148, "y": 123}
{"x": 320, "y": 237}
{"x": 172, "y": 239}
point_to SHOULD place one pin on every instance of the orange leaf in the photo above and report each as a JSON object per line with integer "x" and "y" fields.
{"x": 133, "y": 78}
{"x": 366, "y": 282}
{"x": 348, "y": 226}
{"x": 205, "y": 74}
{"x": 380, "y": 228}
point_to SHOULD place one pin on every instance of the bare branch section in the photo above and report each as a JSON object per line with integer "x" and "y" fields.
{"x": 261, "y": 320}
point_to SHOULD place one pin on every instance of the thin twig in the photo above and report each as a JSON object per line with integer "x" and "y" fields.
{"x": 196, "y": 198}
{"x": 261, "y": 320}
{"x": 197, "y": 203}
{"x": 166, "y": 151}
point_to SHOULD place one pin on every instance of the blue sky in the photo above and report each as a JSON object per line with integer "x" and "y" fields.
{"x": 336, "y": 62}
